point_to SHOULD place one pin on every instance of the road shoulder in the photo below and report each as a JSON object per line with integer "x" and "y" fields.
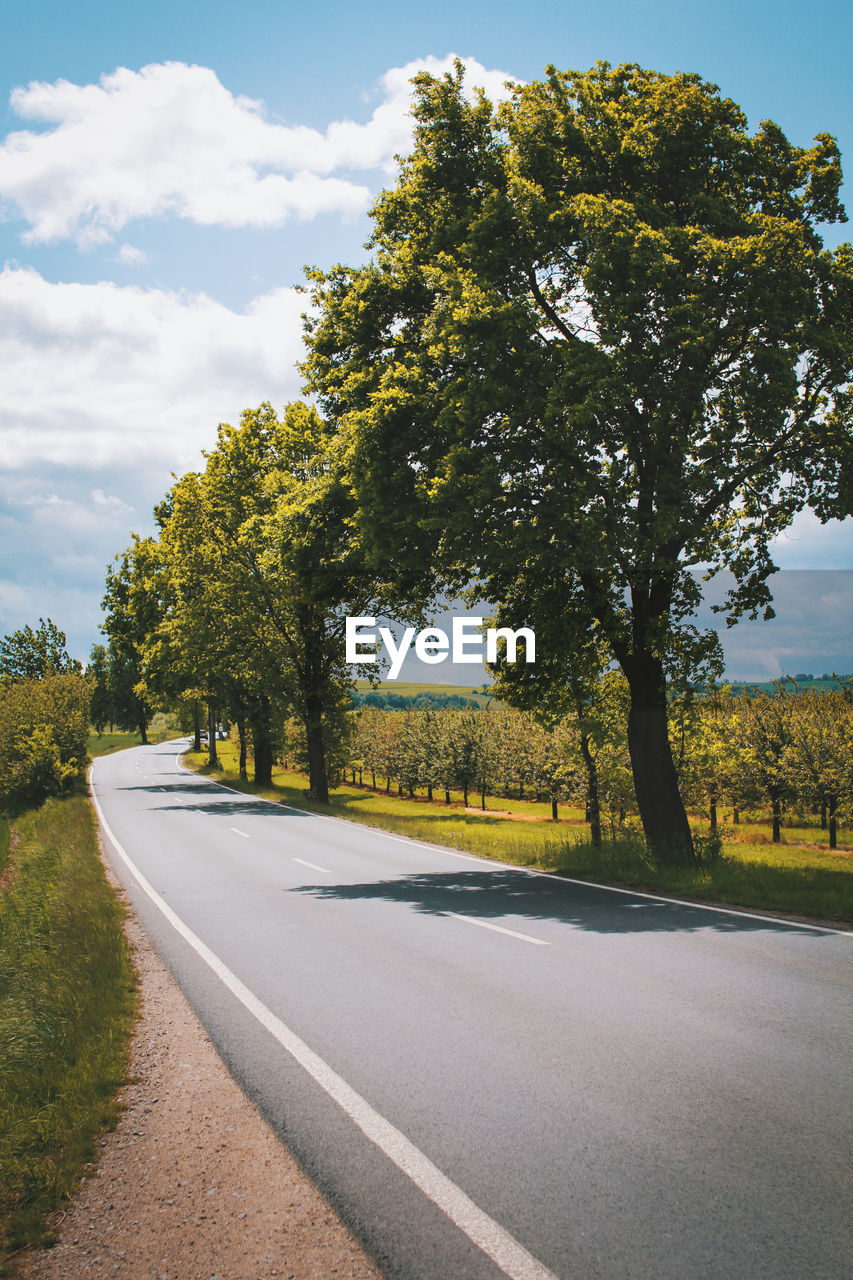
{"x": 192, "y": 1184}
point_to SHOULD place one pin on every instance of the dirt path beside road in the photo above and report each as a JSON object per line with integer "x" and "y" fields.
{"x": 192, "y": 1184}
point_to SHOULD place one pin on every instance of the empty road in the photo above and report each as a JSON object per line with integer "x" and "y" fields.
{"x": 495, "y": 1073}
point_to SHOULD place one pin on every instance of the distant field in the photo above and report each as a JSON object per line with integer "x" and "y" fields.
{"x": 409, "y": 689}
{"x": 823, "y": 682}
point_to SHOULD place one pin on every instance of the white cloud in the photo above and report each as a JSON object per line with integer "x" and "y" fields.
{"x": 170, "y": 139}
{"x": 130, "y": 256}
{"x": 98, "y": 374}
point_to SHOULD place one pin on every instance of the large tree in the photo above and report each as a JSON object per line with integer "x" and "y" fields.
{"x": 266, "y": 565}
{"x": 599, "y": 341}
{"x": 132, "y": 608}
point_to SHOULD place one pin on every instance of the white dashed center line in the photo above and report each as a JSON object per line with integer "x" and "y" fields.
{"x": 313, "y": 866}
{"x": 238, "y": 832}
{"x": 525, "y": 937}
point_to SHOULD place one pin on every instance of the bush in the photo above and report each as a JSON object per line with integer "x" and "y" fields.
{"x": 44, "y": 725}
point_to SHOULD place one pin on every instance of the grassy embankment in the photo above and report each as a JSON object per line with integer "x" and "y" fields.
{"x": 67, "y": 1003}
{"x": 751, "y": 871}
{"x": 104, "y": 744}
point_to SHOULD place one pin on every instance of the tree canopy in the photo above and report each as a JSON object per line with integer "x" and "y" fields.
{"x": 599, "y": 344}
{"x": 30, "y": 654}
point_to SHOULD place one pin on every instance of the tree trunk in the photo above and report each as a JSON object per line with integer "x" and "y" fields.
{"x": 143, "y": 722}
{"x": 483, "y": 796}
{"x": 776, "y": 804}
{"x": 662, "y": 811}
{"x": 429, "y": 791}
{"x": 446, "y": 796}
{"x": 736, "y": 816}
{"x": 212, "y": 758}
{"x": 593, "y": 806}
{"x": 259, "y": 722}
{"x": 241, "y": 733}
{"x": 833, "y": 827}
{"x": 713, "y": 810}
{"x": 554, "y": 815}
{"x": 196, "y": 728}
{"x": 465, "y": 794}
{"x": 318, "y": 779}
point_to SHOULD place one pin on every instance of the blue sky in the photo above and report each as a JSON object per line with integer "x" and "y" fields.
{"x": 165, "y": 173}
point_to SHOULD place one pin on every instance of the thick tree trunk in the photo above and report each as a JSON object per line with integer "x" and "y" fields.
{"x": 212, "y": 759}
{"x": 593, "y": 805}
{"x": 262, "y": 750}
{"x": 318, "y": 779}
{"x": 196, "y": 727}
{"x": 143, "y": 723}
{"x": 662, "y": 811}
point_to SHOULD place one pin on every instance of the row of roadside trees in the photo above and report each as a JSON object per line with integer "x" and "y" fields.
{"x": 598, "y": 344}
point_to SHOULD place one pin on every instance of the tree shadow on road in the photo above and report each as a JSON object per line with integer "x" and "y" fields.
{"x": 512, "y": 895}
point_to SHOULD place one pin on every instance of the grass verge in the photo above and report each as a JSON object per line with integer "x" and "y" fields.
{"x": 67, "y": 1003}
{"x": 797, "y": 882}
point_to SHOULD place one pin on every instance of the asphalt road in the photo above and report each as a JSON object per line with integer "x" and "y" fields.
{"x": 494, "y": 1073}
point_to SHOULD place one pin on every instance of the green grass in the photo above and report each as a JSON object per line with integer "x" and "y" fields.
{"x": 5, "y": 836}
{"x": 162, "y": 727}
{"x": 771, "y": 877}
{"x": 67, "y": 1003}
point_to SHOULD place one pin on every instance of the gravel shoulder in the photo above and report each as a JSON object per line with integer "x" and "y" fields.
{"x": 192, "y": 1184}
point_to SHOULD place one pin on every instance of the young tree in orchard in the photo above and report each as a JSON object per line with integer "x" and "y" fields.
{"x": 820, "y": 755}
{"x": 600, "y": 337}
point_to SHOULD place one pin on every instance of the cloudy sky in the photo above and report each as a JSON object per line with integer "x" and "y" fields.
{"x": 165, "y": 174}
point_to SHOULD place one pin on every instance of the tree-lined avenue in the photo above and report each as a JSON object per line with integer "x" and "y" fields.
{"x": 653, "y": 1089}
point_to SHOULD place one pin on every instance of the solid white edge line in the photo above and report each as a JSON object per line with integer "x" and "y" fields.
{"x": 313, "y": 866}
{"x": 528, "y": 871}
{"x": 504, "y": 1250}
{"x": 498, "y": 928}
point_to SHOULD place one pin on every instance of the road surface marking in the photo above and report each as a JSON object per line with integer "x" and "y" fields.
{"x": 505, "y": 1251}
{"x": 531, "y": 871}
{"x": 484, "y": 924}
{"x": 313, "y": 866}
{"x": 238, "y": 832}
